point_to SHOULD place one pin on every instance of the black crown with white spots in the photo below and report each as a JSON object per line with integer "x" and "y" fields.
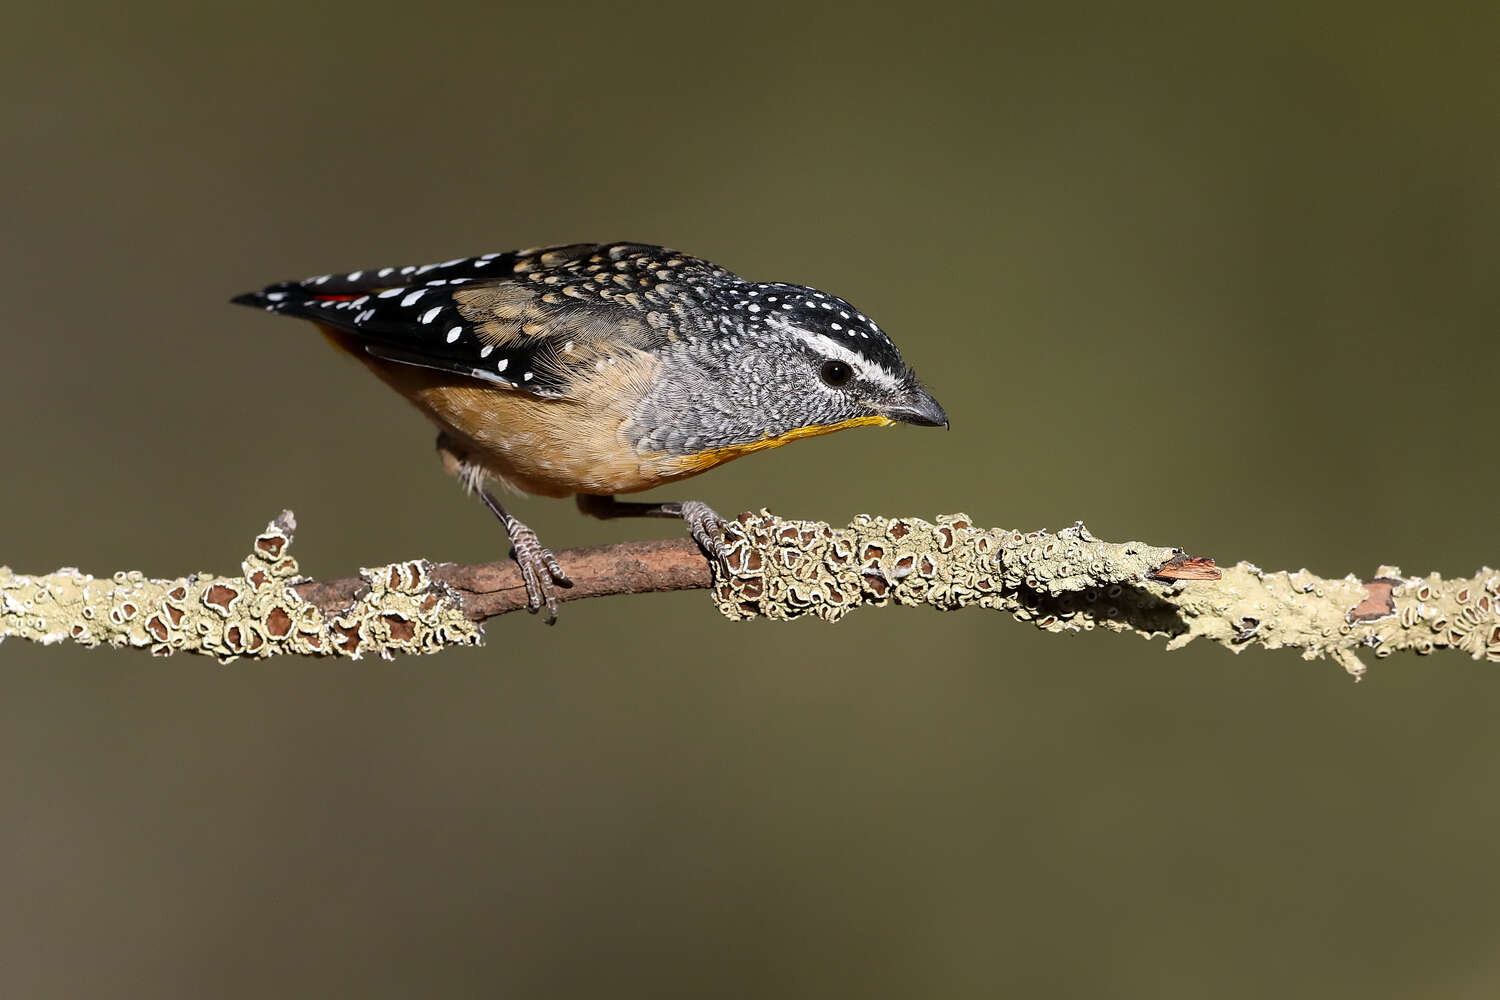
{"x": 409, "y": 314}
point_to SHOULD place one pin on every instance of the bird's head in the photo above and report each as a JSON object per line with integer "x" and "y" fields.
{"x": 839, "y": 360}
{"x": 776, "y": 362}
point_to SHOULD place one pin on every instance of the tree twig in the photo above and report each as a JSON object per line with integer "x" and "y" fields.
{"x": 495, "y": 588}
{"x": 777, "y": 569}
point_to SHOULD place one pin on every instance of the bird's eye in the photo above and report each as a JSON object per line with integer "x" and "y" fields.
{"x": 836, "y": 373}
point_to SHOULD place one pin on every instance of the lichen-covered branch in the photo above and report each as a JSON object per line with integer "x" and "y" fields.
{"x": 258, "y": 613}
{"x": 779, "y": 569}
{"x": 1070, "y": 581}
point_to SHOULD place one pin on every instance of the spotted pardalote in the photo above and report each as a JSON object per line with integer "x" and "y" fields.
{"x": 592, "y": 370}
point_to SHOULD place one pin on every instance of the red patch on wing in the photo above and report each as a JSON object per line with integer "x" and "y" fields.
{"x": 338, "y": 298}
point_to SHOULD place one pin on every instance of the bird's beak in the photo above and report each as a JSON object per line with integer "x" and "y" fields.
{"x": 918, "y": 408}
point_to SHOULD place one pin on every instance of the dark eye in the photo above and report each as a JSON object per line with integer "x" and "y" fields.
{"x": 836, "y": 373}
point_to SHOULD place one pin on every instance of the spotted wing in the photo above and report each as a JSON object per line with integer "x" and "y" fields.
{"x": 530, "y": 320}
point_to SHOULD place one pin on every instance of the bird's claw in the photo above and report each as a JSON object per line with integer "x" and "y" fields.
{"x": 540, "y": 571}
{"x": 706, "y": 528}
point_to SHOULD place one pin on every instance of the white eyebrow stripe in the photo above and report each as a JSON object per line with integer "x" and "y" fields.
{"x": 827, "y": 346}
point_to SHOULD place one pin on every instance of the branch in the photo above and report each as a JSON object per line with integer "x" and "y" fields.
{"x": 1067, "y": 581}
{"x": 487, "y": 590}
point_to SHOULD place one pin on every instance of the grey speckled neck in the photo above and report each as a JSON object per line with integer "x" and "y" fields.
{"x": 733, "y": 389}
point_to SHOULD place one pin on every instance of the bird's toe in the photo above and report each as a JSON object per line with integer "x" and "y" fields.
{"x": 706, "y": 527}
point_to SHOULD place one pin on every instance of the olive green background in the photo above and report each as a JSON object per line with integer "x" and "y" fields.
{"x": 1222, "y": 279}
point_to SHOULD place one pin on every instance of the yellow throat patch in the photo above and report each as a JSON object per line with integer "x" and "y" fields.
{"x": 716, "y": 456}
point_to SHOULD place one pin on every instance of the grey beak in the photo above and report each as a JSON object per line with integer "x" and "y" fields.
{"x": 918, "y": 408}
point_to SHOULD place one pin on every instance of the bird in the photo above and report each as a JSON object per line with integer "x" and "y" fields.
{"x": 598, "y": 369}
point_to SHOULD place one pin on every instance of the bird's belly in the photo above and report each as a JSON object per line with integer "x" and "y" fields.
{"x": 549, "y": 447}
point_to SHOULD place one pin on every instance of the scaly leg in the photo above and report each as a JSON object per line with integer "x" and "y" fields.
{"x": 539, "y": 567}
{"x": 540, "y": 570}
{"x": 706, "y": 526}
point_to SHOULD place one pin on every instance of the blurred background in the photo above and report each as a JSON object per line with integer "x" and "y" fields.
{"x": 1217, "y": 280}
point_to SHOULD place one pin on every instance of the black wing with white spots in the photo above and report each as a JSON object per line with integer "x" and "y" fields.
{"x": 513, "y": 319}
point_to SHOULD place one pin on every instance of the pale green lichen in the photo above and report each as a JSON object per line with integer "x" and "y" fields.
{"x": 1430, "y": 612}
{"x": 1064, "y": 581}
{"x": 1070, "y": 581}
{"x": 784, "y": 569}
{"x": 256, "y": 614}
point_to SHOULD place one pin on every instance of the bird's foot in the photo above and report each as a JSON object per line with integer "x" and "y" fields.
{"x": 540, "y": 570}
{"x": 706, "y": 527}
{"x": 704, "y": 524}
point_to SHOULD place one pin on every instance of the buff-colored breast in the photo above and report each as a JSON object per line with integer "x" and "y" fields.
{"x": 549, "y": 447}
